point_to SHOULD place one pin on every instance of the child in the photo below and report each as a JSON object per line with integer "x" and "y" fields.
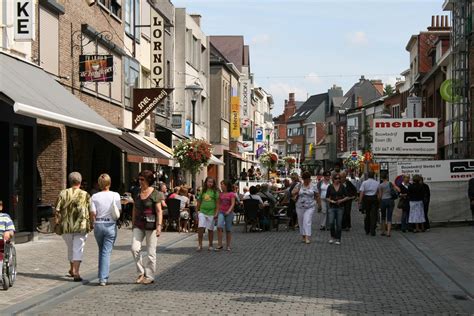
{"x": 207, "y": 207}
{"x": 7, "y": 228}
{"x": 226, "y": 213}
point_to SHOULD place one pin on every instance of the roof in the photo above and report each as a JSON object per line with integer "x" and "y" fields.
{"x": 299, "y": 104}
{"x": 308, "y": 107}
{"x": 364, "y": 89}
{"x": 232, "y": 47}
{"x": 338, "y": 101}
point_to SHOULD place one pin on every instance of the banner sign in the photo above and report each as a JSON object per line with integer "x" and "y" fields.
{"x": 145, "y": 101}
{"x": 96, "y": 68}
{"x": 24, "y": 21}
{"x": 176, "y": 121}
{"x": 413, "y": 107}
{"x": 439, "y": 170}
{"x": 245, "y": 95}
{"x": 259, "y": 134}
{"x": 157, "y": 62}
{"x": 235, "y": 117}
{"x": 247, "y": 146}
{"x": 405, "y": 136}
{"x": 341, "y": 135}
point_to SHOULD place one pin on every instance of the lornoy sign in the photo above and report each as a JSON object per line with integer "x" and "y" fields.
{"x": 156, "y": 46}
{"x": 414, "y": 136}
{"x": 145, "y": 101}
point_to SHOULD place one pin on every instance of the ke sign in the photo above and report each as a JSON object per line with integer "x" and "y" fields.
{"x": 405, "y": 136}
{"x": 145, "y": 101}
{"x": 439, "y": 170}
{"x": 24, "y": 20}
{"x": 96, "y": 68}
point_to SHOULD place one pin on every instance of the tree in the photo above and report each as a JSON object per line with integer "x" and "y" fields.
{"x": 388, "y": 90}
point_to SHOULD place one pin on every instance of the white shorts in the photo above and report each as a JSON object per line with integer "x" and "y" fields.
{"x": 206, "y": 221}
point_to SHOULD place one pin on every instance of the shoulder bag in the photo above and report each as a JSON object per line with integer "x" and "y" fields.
{"x": 393, "y": 192}
{"x": 114, "y": 210}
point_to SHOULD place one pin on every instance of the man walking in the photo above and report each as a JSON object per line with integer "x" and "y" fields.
{"x": 369, "y": 200}
{"x": 351, "y": 193}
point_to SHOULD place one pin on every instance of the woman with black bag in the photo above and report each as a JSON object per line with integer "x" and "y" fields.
{"x": 147, "y": 220}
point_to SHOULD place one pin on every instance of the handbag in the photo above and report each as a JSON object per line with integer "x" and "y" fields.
{"x": 393, "y": 192}
{"x": 150, "y": 222}
{"x": 114, "y": 211}
{"x": 401, "y": 203}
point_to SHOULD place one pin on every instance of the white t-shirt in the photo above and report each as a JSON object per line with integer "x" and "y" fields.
{"x": 323, "y": 189}
{"x": 101, "y": 203}
{"x": 184, "y": 200}
{"x": 370, "y": 187}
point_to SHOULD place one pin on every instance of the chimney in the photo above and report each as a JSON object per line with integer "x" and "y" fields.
{"x": 362, "y": 78}
{"x": 197, "y": 19}
{"x": 378, "y": 85}
{"x": 439, "y": 23}
{"x": 359, "y": 102}
{"x": 286, "y": 103}
{"x": 292, "y": 97}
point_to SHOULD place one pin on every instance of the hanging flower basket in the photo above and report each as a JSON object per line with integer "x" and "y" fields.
{"x": 353, "y": 162}
{"x": 269, "y": 160}
{"x": 192, "y": 154}
{"x": 289, "y": 161}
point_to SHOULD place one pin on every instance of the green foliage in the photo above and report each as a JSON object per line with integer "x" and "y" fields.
{"x": 192, "y": 154}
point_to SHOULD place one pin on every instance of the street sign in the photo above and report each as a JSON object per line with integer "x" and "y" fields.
{"x": 259, "y": 134}
{"x": 354, "y": 154}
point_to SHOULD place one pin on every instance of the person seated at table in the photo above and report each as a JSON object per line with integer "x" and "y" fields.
{"x": 175, "y": 193}
{"x": 266, "y": 195}
{"x": 7, "y": 228}
{"x": 184, "y": 207}
{"x": 253, "y": 195}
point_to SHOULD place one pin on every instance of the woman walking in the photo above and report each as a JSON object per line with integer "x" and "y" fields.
{"x": 306, "y": 194}
{"x": 207, "y": 207}
{"x": 105, "y": 228}
{"x": 147, "y": 223}
{"x": 386, "y": 204}
{"x": 403, "y": 203}
{"x": 322, "y": 190}
{"x": 73, "y": 218}
{"x": 336, "y": 196}
{"x": 416, "y": 193}
{"x": 226, "y": 214}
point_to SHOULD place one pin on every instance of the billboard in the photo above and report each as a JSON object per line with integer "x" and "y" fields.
{"x": 439, "y": 170}
{"x": 245, "y": 93}
{"x": 96, "y": 68}
{"x": 235, "y": 117}
{"x": 411, "y": 136}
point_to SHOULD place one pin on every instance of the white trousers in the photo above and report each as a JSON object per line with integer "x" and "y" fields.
{"x": 149, "y": 268}
{"x": 75, "y": 243}
{"x": 305, "y": 219}
{"x": 324, "y": 212}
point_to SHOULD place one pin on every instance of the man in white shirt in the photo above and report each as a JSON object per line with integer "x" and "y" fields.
{"x": 368, "y": 198}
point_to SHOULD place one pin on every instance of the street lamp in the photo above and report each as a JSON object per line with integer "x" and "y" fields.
{"x": 195, "y": 91}
{"x": 268, "y": 130}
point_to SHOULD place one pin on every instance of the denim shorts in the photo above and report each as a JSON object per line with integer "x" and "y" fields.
{"x": 386, "y": 208}
{"x": 225, "y": 221}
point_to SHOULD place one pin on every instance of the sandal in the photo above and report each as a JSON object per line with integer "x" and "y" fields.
{"x": 199, "y": 248}
{"x": 228, "y": 249}
{"x": 69, "y": 274}
{"x": 77, "y": 278}
{"x": 210, "y": 248}
{"x": 219, "y": 248}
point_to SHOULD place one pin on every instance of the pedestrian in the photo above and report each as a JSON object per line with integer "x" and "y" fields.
{"x": 7, "y": 228}
{"x": 243, "y": 175}
{"x": 386, "y": 204}
{"x": 470, "y": 193}
{"x": 291, "y": 210}
{"x": 306, "y": 194}
{"x": 147, "y": 221}
{"x": 426, "y": 204}
{"x": 105, "y": 227}
{"x": 369, "y": 199}
{"x": 227, "y": 202}
{"x": 207, "y": 207}
{"x": 347, "y": 205}
{"x": 416, "y": 193}
{"x": 403, "y": 203}
{"x": 323, "y": 186}
{"x": 184, "y": 214}
{"x": 73, "y": 220}
{"x": 336, "y": 196}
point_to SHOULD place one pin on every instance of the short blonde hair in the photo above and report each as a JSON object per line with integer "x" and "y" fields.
{"x": 104, "y": 181}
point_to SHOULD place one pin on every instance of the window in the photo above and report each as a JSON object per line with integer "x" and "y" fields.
{"x": 49, "y": 45}
{"x": 113, "y": 6}
{"x": 310, "y": 132}
{"x": 145, "y": 19}
{"x": 395, "y": 111}
{"x": 130, "y": 20}
{"x": 132, "y": 72}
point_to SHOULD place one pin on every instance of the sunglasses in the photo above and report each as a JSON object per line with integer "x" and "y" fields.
{"x": 141, "y": 179}
{"x": 337, "y": 178}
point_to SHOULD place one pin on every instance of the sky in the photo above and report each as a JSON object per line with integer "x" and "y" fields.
{"x": 307, "y": 46}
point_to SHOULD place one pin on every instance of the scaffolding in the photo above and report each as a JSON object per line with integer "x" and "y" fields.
{"x": 461, "y": 129}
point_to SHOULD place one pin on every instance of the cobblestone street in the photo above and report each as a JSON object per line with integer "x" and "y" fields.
{"x": 265, "y": 273}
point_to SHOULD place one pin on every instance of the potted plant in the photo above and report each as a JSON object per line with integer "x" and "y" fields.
{"x": 193, "y": 155}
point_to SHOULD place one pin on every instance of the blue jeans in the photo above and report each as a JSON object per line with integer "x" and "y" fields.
{"x": 105, "y": 235}
{"x": 225, "y": 221}
{"x": 335, "y": 221}
{"x": 386, "y": 208}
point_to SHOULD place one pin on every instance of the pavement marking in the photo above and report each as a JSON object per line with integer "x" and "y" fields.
{"x": 452, "y": 286}
{"x": 73, "y": 288}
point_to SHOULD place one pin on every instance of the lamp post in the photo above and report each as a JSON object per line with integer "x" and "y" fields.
{"x": 268, "y": 130}
{"x": 195, "y": 91}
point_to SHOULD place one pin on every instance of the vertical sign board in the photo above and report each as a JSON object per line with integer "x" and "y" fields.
{"x": 235, "y": 117}
{"x": 24, "y": 20}
{"x": 245, "y": 95}
{"x": 341, "y": 137}
{"x": 413, "y": 107}
{"x": 157, "y": 49}
{"x": 405, "y": 136}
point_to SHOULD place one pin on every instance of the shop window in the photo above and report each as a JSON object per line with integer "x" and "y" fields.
{"x": 131, "y": 78}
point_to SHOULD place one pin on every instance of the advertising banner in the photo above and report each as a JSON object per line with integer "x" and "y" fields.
{"x": 145, "y": 101}
{"x": 341, "y": 137}
{"x": 259, "y": 134}
{"x": 235, "y": 117}
{"x": 24, "y": 20}
{"x": 245, "y": 94}
{"x": 96, "y": 68}
{"x": 412, "y": 136}
{"x": 247, "y": 146}
{"x": 157, "y": 62}
{"x": 439, "y": 170}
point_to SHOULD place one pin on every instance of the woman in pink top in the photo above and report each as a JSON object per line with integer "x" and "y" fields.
{"x": 226, "y": 213}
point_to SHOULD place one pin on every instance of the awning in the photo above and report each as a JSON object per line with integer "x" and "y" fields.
{"x": 159, "y": 144}
{"x": 160, "y": 128}
{"x": 136, "y": 150}
{"x": 215, "y": 161}
{"x": 168, "y": 157}
{"x": 234, "y": 155}
{"x": 38, "y": 95}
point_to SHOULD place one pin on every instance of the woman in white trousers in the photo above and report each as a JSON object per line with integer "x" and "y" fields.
{"x": 306, "y": 194}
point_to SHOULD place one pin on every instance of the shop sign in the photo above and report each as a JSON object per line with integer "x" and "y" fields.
{"x": 24, "y": 21}
{"x": 245, "y": 95}
{"x": 235, "y": 117}
{"x": 341, "y": 137}
{"x": 176, "y": 121}
{"x": 439, "y": 170}
{"x": 413, "y": 107}
{"x": 145, "y": 101}
{"x": 157, "y": 49}
{"x": 413, "y": 136}
{"x": 96, "y": 68}
{"x": 247, "y": 146}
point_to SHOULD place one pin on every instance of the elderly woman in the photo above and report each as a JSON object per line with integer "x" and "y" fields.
{"x": 73, "y": 218}
{"x": 105, "y": 228}
{"x": 147, "y": 220}
{"x": 306, "y": 195}
{"x": 416, "y": 193}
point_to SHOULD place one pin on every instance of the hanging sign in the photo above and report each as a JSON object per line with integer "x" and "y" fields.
{"x": 157, "y": 63}
{"x": 259, "y": 134}
{"x": 96, "y": 68}
{"x": 145, "y": 101}
{"x": 176, "y": 121}
{"x": 245, "y": 95}
{"x": 24, "y": 21}
{"x": 235, "y": 117}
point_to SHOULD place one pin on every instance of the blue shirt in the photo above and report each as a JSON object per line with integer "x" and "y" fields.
{"x": 6, "y": 224}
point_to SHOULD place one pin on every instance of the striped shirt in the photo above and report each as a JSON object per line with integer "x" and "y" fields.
{"x": 6, "y": 224}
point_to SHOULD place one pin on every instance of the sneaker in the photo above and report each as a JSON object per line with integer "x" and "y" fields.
{"x": 331, "y": 241}
{"x": 102, "y": 283}
{"x": 337, "y": 242}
